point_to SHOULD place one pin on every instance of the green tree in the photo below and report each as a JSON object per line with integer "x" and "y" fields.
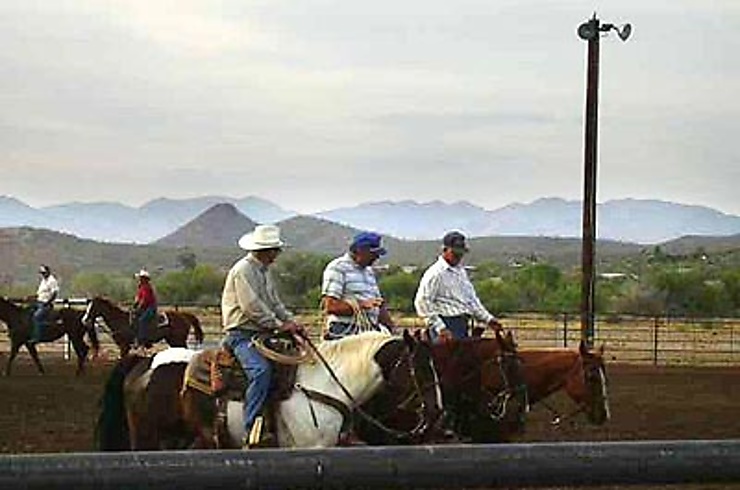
{"x": 202, "y": 284}
{"x": 88, "y": 284}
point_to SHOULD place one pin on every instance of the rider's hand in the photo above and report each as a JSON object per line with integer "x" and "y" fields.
{"x": 369, "y": 304}
{"x": 445, "y": 336}
{"x": 293, "y": 327}
{"x": 495, "y": 325}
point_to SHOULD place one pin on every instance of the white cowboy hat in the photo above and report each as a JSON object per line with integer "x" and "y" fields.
{"x": 261, "y": 238}
{"x": 142, "y": 273}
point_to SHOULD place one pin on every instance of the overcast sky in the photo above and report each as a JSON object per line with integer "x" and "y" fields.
{"x": 319, "y": 104}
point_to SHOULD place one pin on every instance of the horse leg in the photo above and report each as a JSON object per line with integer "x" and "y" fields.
{"x": 81, "y": 349}
{"x": 13, "y": 352}
{"x": 35, "y": 356}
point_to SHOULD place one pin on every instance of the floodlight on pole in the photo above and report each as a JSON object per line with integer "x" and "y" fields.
{"x": 591, "y": 31}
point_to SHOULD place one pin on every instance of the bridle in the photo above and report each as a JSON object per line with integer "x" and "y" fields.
{"x": 498, "y": 401}
{"x": 416, "y": 396}
{"x": 422, "y": 425}
{"x": 592, "y": 374}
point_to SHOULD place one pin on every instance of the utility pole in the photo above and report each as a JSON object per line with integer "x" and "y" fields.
{"x": 590, "y": 31}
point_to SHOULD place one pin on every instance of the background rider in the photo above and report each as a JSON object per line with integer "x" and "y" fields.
{"x": 46, "y": 293}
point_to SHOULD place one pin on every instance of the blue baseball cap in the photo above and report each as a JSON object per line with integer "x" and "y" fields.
{"x": 368, "y": 240}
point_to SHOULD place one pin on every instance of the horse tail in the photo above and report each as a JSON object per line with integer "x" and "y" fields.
{"x": 111, "y": 429}
{"x": 197, "y": 329}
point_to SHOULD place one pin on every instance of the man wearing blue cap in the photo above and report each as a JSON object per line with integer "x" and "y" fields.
{"x": 350, "y": 295}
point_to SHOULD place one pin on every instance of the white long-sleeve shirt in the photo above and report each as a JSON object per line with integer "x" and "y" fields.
{"x": 446, "y": 290}
{"x": 48, "y": 288}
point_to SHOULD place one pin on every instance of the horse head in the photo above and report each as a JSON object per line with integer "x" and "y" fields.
{"x": 512, "y": 401}
{"x": 412, "y": 388}
{"x": 595, "y": 401}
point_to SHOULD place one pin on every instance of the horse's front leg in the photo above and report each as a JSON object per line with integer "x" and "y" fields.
{"x": 15, "y": 347}
{"x": 81, "y": 349}
{"x": 35, "y": 356}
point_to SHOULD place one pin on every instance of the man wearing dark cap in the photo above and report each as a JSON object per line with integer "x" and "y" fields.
{"x": 349, "y": 291}
{"x": 446, "y": 298}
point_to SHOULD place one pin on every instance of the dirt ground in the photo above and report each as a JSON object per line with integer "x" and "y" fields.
{"x": 56, "y": 412}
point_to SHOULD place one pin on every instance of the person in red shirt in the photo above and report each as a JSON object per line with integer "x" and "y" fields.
{"x": 145, "y": 308}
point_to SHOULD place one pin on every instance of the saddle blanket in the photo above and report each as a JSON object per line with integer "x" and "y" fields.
{"x": 172, "y": 355}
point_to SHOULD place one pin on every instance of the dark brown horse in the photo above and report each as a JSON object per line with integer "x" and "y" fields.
{"x": 483, "y": 390}
{"x": 145, "y": 409}
{"x": 174, "y": 332}
{"x": 60, "y": 322}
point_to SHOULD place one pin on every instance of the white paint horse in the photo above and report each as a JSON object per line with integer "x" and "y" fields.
{"x": 149, "y": 409}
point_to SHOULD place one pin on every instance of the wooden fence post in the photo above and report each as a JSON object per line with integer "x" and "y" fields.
{"x": 655, "y": 340}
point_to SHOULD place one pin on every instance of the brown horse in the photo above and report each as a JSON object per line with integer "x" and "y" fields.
{"x": 61, "y": 321}
{"x": 580, "y": 373}
{"x": 174, "y": 332}
{"x": 483, "y": 390}
{"x": 147, "y": 409}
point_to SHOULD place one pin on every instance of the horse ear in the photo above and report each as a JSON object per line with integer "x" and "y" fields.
{"x": 410, "y": 342}
{"x": 601, "y": 350}
{"x": 582, "y": 348}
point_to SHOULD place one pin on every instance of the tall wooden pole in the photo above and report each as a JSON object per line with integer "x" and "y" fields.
{"x": 589, "y": 190}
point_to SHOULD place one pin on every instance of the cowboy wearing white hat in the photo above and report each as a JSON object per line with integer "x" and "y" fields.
{"x": 145, "y": 308}
{"x": 263, "y": 237}
{"x": 250, "y": 305}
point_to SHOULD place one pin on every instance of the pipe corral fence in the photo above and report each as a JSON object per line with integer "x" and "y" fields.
{"x": 413, "y": 467}
{"x": 657, "y": 340}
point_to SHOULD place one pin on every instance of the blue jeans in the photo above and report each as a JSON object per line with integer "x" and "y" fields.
{"x": 457, "y": 325}
{"x": 39, "y": 320}
{"x": 258, "y": 371}
{"x": 146, "y": 318}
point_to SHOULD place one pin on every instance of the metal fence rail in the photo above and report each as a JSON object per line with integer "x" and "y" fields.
{"x": 657, "y": 340}
{"x": 473, "y": 466}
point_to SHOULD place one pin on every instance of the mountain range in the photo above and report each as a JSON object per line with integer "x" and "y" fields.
{"x": 212, "y": 236}
{"x": 626, "y": 220}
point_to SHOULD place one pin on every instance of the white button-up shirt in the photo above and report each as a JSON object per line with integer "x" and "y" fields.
{"x": 48, "y": 287}
{"x": 446, "y": 290}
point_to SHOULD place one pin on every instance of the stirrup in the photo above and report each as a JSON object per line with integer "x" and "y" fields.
{"x": 255, "y": 434}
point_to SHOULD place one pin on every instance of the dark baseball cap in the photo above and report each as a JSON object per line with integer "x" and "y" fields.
{"x": 455, "y": 240}
{"x": 368, "y": 240}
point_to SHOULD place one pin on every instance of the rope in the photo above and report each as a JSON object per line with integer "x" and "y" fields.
{"x": 369, "y": 418}
{"x": 303, "y": 354}
{"x": 359, "y": 316}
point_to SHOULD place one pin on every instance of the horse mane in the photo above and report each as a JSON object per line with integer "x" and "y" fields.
{"x": 538, "y": 356}
{"x": 352, "y": 355}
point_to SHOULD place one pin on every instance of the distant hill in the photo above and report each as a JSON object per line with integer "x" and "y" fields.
{"x": 115, "y": 222}
{"x": 219, "y": 226}
{"x": 23, "y": 249}
{"x": 693, "y": 244}
{"x": 627, "y": 220}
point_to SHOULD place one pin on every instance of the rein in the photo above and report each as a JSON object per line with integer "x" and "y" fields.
{"x": 500, "y": 399}
{"x": 399, "y": 435}
{"x": 558, "y": 419}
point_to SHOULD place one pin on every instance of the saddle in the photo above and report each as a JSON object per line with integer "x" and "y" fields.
{"x": 162, "y": 320}
{"x": 217, "y": 373}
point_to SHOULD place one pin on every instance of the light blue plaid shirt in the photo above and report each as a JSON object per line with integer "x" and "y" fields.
{"x": 344, "y": 279}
